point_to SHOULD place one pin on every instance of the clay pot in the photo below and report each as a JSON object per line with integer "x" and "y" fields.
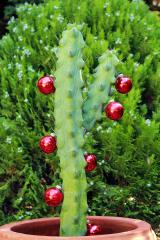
{"x": 113, "y": 228}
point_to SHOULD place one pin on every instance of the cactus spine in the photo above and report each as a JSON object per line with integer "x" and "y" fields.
{"x": 69, "y": 131}
{"x": 99, "y": 91}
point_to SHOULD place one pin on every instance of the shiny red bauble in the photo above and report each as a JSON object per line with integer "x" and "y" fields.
{"x": 46, "y": 85}
{"x": 114, "y": 111}
{"x": 89, "y": 225}
{"x": 91, "y": 162}
{"x": 93, "y": 229}
{"x": 53, "y": 197}
{"x": 123, "y": 84}
{"x": 48, "y": 144}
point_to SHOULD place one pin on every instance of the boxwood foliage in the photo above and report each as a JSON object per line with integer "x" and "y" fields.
{"x": 126, "y": 181}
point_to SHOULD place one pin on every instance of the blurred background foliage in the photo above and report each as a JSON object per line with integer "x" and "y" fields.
{"x": 126, "y": 181}
{"x": 8, "y": 9}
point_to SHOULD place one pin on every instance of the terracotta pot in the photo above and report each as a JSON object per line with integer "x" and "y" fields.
{"x": 48, "y": 229}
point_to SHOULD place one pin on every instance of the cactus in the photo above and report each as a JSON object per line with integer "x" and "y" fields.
{"x": 69, "y": 124}
{"x": 72, "y": 114}
{"x": 69, "y": 131}
{"x": 99, "y": 90}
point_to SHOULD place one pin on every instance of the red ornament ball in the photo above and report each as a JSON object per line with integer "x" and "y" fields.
{"x": 53, "y": 197}
{"x": 123, "y": 84}
{"x": 114, "y": 111}
{"x": 48, "y": 144}
{"x": 93, "y": 229}
{"x": 89, "y": 225}
{"x": 91, "y": 162}
{"x": 46, "y": 85}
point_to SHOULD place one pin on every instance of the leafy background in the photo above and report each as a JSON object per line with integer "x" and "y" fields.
{"x": 126, "y": 181}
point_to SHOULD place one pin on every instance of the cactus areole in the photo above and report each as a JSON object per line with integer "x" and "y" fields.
{"x": 73, "y": 116}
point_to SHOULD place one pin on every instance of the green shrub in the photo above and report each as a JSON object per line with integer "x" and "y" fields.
{"x": 126, "y": 182}
{"x": 10, "y": 6}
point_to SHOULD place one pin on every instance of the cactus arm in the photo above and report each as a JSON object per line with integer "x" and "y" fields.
{"x": 69, "y": 131}
{"x": 98, "y": 92}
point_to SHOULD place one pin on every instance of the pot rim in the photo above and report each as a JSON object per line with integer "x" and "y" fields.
{"x": 141, "y": 227}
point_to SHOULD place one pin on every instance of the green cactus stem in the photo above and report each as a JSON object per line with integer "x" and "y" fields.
{"x": 69, "y": 131}
{"x": 98, "y": 93}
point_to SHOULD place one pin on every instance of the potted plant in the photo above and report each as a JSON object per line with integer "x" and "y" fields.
{"x": 73, "y": 117}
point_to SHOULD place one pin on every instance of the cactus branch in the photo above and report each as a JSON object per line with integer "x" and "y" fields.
{"x": 99, "y": 91}
{"x": 69, "y": 131}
